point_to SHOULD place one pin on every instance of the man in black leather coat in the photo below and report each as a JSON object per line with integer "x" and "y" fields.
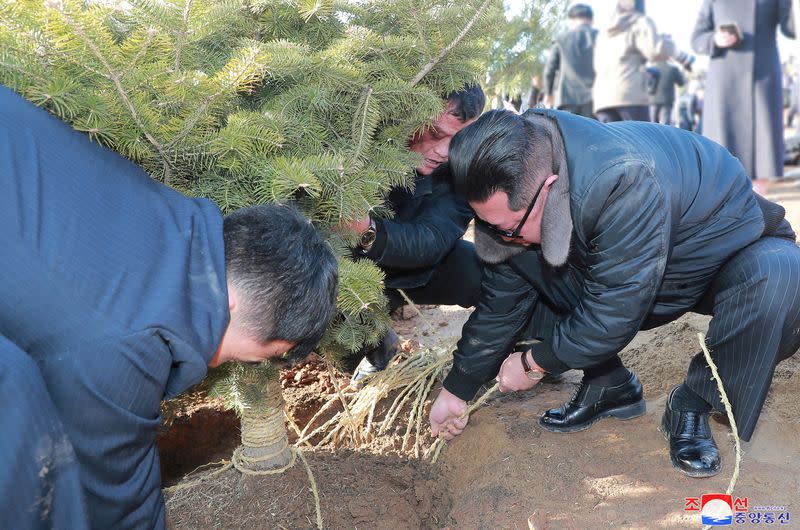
{"x": 420, "y": 248}
{"x": 591, "y": 232}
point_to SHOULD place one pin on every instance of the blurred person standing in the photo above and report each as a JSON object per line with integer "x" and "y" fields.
{"x": 621, "y": 52}
{"x": 743, "y": 110}
{"x": 663, "y": 100}
{"x": 794, "y": 99}
{"x": 688, "y": 111}
{"x": 569, "y": 74}
{"x": 534, "y": 96}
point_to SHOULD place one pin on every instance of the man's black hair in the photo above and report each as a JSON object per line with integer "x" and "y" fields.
{"x": 501, "y": 151}
{"x": 580, "y": 11}
{"x": 284, "y": 272}
{"x": 468, "y": 102}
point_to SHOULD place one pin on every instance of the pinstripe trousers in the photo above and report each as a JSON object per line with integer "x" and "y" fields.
{"x": 755, "y": 303}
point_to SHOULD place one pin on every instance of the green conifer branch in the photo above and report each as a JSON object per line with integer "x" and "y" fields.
{"x": 180, "y": 37}
{"x": 115, "y": 78}
{"x": 230, "y": 81}
{"x": 363, "y": 128}
{"x": 433, "y": 62}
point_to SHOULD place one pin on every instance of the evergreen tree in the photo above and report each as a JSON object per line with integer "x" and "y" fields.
{"x": 518, "y": 51}
{"x": 256, "y": 101}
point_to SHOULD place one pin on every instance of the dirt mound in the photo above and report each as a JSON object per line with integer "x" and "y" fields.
{"x": 504, "y": 467}
{"x": 357, "y": 490}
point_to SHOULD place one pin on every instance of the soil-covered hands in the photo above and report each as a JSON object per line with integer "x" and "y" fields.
{"x": 446, "y": 415}
{"x": 725, "y": 39}
{"x": 512, "y": 376}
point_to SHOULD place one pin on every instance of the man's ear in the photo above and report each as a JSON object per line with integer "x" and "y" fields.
{"x": 550, "y": 181}
{"x": 233, "y": 297}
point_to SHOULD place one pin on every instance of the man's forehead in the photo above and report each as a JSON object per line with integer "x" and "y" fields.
{"x": 449, "y": 123}
{"x": 495, "y": 208}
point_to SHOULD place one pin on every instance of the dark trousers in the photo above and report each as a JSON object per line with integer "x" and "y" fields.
{"x": 455, "y": 281}
{"x": 627, "y": 113}
{"x": 755, "y": 303}
{"x": 661, "y": 113}
{"x": 40, "y": 481}
{"x": 584, "y": 109}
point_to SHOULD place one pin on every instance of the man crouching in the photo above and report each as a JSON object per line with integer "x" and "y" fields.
{"x": 592, "y": 232}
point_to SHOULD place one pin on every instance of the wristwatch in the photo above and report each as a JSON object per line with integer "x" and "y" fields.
{"x": 531, "y": 374}
{"x": 367, "y": 237}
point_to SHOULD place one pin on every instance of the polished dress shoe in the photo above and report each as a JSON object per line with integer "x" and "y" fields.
{"x": 590, "y": 403}
{"x": 691, "y": 447}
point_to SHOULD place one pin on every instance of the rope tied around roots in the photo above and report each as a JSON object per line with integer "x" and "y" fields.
{"x": 263, "y": 428}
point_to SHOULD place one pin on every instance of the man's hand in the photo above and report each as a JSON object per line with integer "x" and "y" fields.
{"x": 725, "y": 39}
{"x": 547, "y": 101}
{"x": 512, "y": 376}
{"x": 446, "y": 415}
{"x": 358, "y": 226}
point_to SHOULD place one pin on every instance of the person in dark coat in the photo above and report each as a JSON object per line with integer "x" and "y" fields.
{"x": 663, "y": 100}
{"x": 569, "y": 73}
{"x": 591, "y": 232}
{"x": 743, "y": 104}
{"x": 420, "y": 249}
{"x": 117, "y": 292}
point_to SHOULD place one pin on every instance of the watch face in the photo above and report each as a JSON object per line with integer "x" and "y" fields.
{"x": 534, "y": 374}
{"x": 368, "y": 238}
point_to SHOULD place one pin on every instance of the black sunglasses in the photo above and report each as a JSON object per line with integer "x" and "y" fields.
{"x": 512, "y": 234}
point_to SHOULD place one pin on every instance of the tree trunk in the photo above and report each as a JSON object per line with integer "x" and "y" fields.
{"x": 265, "y": 444}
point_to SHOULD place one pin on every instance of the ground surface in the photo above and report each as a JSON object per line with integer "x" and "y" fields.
{"x": 504, "y": 468}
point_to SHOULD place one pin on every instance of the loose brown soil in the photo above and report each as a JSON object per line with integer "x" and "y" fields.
{"x": 504, "y": 467}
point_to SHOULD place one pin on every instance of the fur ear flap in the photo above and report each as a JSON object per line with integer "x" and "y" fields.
{"x": 557, "y": 223}
{"x": 491, "y": 249}
{"x": 557, "y": 215}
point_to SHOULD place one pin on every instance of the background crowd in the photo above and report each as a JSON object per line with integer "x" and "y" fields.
{"x": 626, "y": 68}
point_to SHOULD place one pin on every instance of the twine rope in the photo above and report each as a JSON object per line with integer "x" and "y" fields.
{"x": 260, "y": 429}
{"x": 728, "y": 410}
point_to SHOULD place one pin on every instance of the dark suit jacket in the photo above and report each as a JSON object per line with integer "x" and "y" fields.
{"x": 569, "y": 73}
{"x": 115, "y": 285}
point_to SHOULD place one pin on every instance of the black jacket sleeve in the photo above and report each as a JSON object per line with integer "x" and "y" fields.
{"x": 424, "y": 240}
{"x": 551, "y": 69}
{"x": 703, "y": 33}
{"x": 626, "y": 218}
{"x": 503, "y": 311}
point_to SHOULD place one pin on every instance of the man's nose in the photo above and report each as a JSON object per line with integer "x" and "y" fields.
{"x": 442, "y": 148}
{"x": 516, "y": 240}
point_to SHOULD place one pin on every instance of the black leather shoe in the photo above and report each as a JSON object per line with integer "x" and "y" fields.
{"x": 378, "y": 358}
{"x": 590, "y": 403}
{"x": 691, "y": 447}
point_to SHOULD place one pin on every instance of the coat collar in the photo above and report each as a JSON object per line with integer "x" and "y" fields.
{"x": 557, "y": 216}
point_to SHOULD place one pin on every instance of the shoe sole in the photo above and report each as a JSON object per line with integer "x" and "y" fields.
{"x": 676, "y": 464}
{"x": 628, "y": 412}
